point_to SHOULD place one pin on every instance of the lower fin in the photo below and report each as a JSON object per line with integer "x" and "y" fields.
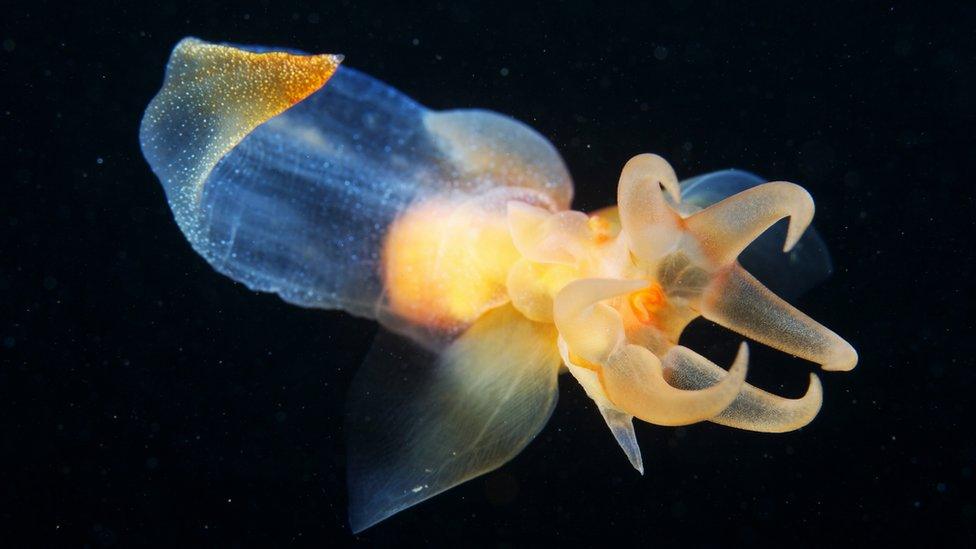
{"x": 419, "y": 423}
{"x": 621, "y": 425}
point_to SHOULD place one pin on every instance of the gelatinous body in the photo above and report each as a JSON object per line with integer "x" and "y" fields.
{"x": 296, "y": 176}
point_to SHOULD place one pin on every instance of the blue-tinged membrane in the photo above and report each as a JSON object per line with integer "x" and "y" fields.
{"x": 300, "y": 206}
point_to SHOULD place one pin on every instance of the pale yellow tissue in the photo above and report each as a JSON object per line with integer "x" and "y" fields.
{"x": 593, "y": 330}
{"x": 531, "y": 287}
{"x": 651, "y": 226}
{"x": 725, "y": 229}
{"x": 634, "y": 382}
{"x": 753, "y": 409}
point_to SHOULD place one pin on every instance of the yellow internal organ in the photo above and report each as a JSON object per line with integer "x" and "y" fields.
{"x": 646, "y": 304}
{"x": 445, "y": 264}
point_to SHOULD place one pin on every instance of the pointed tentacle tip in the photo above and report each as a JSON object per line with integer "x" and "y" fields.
{"x": 804, "y": 409}
{"x": 799, "y": 412}
{"x": 634, "y": 457}
{"x": 801, "y": 214}
{"x": 741, "y": 356}
{"x": 814, "y": 390}
{"x": 737, "y": 371}
{"x": 777, "y": 414}
{"x": 725, "y": 229}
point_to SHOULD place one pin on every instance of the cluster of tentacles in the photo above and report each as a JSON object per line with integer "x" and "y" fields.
{"x": 621, "y": 285}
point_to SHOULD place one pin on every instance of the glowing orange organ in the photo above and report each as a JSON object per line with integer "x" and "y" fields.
{"x": 445, "y": 263}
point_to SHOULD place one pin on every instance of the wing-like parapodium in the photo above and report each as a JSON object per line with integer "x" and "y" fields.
{"x": 420, "y": 424}
{"x": 285, "y": 170}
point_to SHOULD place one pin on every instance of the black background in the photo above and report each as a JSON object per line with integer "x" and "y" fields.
{"x": 146, "y": 400}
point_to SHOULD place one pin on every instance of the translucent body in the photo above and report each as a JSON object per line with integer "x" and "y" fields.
{"x": 453, "y": 230}
{"x": 299, "y": 203}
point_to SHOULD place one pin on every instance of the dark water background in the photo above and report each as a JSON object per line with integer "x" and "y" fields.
{"x": 146, "y": 400}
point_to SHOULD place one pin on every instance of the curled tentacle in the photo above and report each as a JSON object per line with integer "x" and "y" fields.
{"x": 757, "y": 410}
{"x": 592, "y": 330}
{"x": 753, "y": 409}
{"x": 726, "y": 228}
{"x": 650, "y": 224}
{"x": 634, "y": 380}
{"x": 738, "y": 301}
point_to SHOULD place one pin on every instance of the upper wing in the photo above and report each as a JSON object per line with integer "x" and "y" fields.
{"x": 284, "y": 170}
